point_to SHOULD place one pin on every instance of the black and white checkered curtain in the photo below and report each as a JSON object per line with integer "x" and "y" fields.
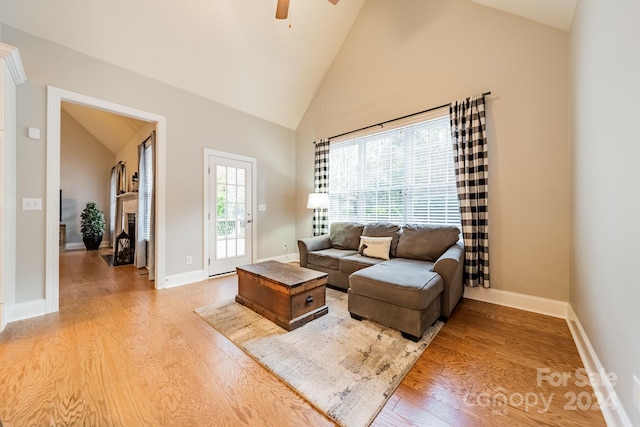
{"x": 468, "y": 132}
{"x": 321, "y": 185}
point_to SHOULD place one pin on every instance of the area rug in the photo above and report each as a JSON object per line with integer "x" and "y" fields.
{"x": 108, "y": 258}
{"x": 344, "y": 367}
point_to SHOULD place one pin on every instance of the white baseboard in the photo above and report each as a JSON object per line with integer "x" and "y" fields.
{"x": 612, "y": 409}
{"x": 26, "y": 310}
{"x": 73, "y": 246}
{"x": 76, "y": 246}
{"x": 174, "y": 280}
{"x": 546, "y": 306}
{"x": 282, "y": 258}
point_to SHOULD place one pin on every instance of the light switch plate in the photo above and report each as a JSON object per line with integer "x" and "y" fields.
{"x": 262, "y": 208}
{"x": 34, "y": 133}
{"x": 31, "y": 204}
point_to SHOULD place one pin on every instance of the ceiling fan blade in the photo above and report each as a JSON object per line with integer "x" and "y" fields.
{"x": 282, "y": 10}
{"x": 334, "y": 1}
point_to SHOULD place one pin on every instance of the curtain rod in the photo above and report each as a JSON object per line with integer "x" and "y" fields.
{"x": 120, "y": 162}
{"x": 123, "y": 162}
{"x": 395, "y": 120}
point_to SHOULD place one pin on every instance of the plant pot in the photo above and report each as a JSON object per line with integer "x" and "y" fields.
{"x": 92, "y": 243}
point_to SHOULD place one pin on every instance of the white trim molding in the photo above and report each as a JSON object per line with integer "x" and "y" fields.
{"x": 546, "y": 306}
{"x": 200, "y": 275}
{"x": 55, "y": 97}
{"x": 184, "y": 278}
{"x": 610, "y": 405}
{"x": 13, "y": 77}
{"x": 206, "y": 246}
{"x": 27, "y": 310}
{"x": 282, "y": 258}
{"x": 78, "y": 246}
{"x": 13, "y": 60}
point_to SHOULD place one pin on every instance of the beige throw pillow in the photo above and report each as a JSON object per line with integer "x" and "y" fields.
{"x": 375, "y": 247}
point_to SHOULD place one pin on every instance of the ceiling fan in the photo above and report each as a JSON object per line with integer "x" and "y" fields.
{"x": 282, "y": 10}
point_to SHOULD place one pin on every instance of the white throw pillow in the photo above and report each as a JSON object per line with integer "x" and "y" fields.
{"x": 375, "y": 247}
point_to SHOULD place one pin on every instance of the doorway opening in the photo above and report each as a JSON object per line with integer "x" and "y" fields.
{"x": 55, "y": 99}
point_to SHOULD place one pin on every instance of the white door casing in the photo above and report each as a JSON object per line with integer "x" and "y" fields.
{"x": 229, "y": 215}
{"x": 55, "y": 96}
{"x": 12, "y": 74}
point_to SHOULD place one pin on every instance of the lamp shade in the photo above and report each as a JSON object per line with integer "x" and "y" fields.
{"x": 318, "y": 201}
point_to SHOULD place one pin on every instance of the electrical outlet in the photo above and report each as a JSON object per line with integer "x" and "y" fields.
{"x": 189, "y": 260}
{"x": 636, "y": 393}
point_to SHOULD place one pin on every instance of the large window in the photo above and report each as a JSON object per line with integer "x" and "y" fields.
{"x": 402, "y": 175}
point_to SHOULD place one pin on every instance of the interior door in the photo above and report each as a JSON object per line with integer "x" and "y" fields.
{"x": 230, "y": 210}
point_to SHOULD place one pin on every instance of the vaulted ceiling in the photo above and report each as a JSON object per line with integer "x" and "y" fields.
{"x": 231, "y": 51}
{"x": 112, "y": 130}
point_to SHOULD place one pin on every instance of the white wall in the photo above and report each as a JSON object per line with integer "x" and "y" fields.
{"x": 85, "y": 175}
{"x": 193, "y": 123}
{"x": 403, "y": 57}
{"x": 605, "y": 289}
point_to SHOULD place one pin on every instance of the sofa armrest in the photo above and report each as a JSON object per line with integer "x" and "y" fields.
{"x": 311, "y": 244}
{"x": 450, "y": 267}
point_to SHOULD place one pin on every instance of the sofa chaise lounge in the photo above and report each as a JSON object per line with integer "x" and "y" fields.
{"x": 416, "y": 281}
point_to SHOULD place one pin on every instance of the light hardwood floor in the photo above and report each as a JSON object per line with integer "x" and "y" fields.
{"x": 122, "y": 354}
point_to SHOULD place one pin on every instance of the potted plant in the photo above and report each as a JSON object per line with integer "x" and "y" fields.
{"x": 92, "y": 226}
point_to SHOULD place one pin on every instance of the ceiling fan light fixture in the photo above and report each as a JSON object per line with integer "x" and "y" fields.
{"x": 282, "y": 9}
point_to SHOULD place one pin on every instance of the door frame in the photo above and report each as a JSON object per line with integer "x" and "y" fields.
{"x": 206, "y": 203}
{"x": 55, "y": 97}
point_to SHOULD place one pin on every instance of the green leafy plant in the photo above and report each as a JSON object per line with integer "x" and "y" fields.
{"x": 92, "y": 222}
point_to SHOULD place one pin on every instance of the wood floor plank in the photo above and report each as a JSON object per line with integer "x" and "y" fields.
{"x": 121, "y": 353}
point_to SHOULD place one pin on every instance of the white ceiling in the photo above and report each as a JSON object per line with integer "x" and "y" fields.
{"x": 231, "y": 51}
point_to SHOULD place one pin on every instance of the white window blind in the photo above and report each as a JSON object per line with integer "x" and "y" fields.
{"x": 148, "y": 190}
{"x": 403, "y": 175}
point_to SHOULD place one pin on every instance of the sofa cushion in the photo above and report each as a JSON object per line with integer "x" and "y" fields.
{"x": 345, "y": 235}
{"x": 426, "y": 242}
{"x": 352, "y": 263}
{"x": 375, "y": 247}
{"x": 328, "y": 258}
{"x": 412, "y": 286}
{"x": 411, "y": 263}
{"x": 384, "y": 229}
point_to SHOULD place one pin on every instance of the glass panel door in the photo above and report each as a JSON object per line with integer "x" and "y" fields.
{"x": 230, "y": 214}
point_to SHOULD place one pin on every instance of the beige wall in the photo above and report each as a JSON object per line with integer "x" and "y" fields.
{"x": 193, "y": 123}
{"x": 30, "y": 181}
{"x": 85, "y": 175}
{"x": 129, "y": 154}
{"x": 399, "y": 60}
{"x": 605, "y": 289}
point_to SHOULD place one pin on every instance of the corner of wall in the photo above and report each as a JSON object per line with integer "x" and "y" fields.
{"x": 608, "y": 401}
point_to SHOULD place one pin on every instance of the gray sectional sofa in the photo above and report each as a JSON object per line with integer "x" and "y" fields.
{"x": 419, "y": 282}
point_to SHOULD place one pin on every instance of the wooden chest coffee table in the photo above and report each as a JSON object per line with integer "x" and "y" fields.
{"x": 288, "y": 295}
